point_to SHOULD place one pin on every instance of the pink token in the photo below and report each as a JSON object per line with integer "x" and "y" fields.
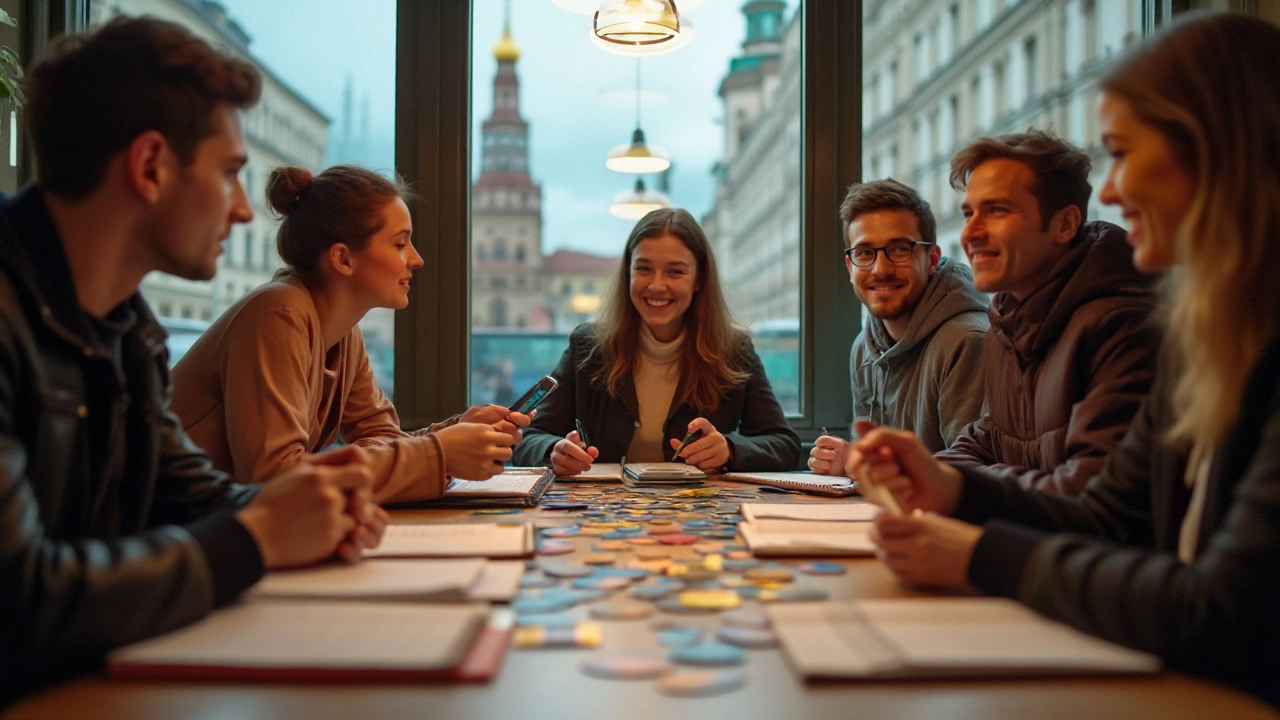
{"x": 554, "y": 547}
{"x": 678, "y": 539}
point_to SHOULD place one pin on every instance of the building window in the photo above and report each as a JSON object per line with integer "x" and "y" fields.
{"x": 1032, "y": 66}
{"x": 520, "y": 255}
{"x": 500, "y": 250}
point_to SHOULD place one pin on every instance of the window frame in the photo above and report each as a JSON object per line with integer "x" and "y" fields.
{"x": 433, "y": 104}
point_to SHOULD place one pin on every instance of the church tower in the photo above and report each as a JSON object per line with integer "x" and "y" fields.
{"x": 506, "y": 208}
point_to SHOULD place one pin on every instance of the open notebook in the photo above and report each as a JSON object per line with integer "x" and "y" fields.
{"x": 802, "y": 481}
{"x": 940, "y": 638}
{"x": 324, "y": 641}
{"x": 513, "y": 487}
{"x": 493, "y": 540}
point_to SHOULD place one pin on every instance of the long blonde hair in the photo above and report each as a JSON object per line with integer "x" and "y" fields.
{"x": 1208, "y": 84}
{"x": 710, "y": 358}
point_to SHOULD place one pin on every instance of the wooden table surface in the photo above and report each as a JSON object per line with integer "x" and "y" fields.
{"x": 548, "y": 684}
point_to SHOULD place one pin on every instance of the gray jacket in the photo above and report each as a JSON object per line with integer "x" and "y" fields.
{"x": 930, "y": 381}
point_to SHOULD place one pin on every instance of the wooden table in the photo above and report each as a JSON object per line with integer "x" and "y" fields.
{"x": 547, "y": 684}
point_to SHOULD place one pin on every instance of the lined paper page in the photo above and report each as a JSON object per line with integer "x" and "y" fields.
{"x": 512, "y": 482}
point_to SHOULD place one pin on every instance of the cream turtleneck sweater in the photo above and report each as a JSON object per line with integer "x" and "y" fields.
{"x": 656, "y": 377}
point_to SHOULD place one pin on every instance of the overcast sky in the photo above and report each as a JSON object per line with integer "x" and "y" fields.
{"x": 578, "y": 100}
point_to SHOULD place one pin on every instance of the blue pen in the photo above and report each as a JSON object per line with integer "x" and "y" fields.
{"x": 582, "y": 433}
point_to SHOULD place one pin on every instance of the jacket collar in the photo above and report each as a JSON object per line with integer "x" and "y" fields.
{"x": 36, "y": 263}
{"x": 948, "y": 293}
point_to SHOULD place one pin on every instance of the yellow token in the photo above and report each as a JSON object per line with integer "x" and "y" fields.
{"x": 599, "y": 558}
{"x": 709, "y": 599}
{"x": 593, "y": 530}
{"x": 713, "y": 562}
{"x": 769, "y": 575}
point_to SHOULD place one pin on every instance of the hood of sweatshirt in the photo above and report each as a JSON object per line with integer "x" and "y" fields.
{"x": 949, "y": 293}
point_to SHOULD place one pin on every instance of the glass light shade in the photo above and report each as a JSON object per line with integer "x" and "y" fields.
{"x": 684, "y": 37}
{"x": 589, "y": 7}
{"x": 638, "y": 157}
{"x": 635, "y": 204}
{"x": 636, "y": 22}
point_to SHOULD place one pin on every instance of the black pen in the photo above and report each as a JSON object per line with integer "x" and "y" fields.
{"x": 687, "y": 437}
{"x": 582, "y": 434}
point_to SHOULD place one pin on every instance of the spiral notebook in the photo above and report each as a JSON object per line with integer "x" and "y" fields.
{"x": 513, "y": 487}
{"x": 834, "y": 486}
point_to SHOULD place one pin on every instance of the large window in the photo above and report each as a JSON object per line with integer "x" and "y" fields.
{"x": 323, "y": 102}
{"x": 547, "y": 107}
{"x": 997, "y": 70}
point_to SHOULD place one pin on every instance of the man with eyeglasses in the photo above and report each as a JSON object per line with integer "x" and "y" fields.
{"x": 918, "y": 362}
{"x": 1071, "y": 353}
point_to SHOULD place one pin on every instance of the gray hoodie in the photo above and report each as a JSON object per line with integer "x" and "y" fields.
{"x": 930, "y": 381}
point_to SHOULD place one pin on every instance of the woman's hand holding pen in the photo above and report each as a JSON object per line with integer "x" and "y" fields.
{"x": 709, "y": 452}
{"x": 570, "y": 457}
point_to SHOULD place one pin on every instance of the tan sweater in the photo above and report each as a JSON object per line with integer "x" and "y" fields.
{"x": 258, "y": 391}
{"x": 657, "y": 375}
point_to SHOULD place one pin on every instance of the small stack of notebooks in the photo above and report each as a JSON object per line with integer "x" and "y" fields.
{"x": 662, "y": 474}
{"x": 513, "y": 487}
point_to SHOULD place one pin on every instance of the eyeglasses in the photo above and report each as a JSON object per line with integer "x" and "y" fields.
{"x": 898, "y": 253}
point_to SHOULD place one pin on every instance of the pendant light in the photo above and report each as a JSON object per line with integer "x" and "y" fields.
{"x": 638, "y": 157}
{"x": 635, "y": 204}
{"x": 639, "y": 27}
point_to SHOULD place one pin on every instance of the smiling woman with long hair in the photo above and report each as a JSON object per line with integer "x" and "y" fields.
{"x": 284, "y": 372}
{"x": 664, "y": 360}
{"x": 1187, "y": 509}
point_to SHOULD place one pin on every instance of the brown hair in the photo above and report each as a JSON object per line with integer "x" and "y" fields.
{"x": 95, "y": 93}
{"x": 342, "y": 204}
{"x": 887, "y": 194}
{"x": 1202, "y": 84}
{"x": 1061, "y": 170}
{"x": 711, "y": 355}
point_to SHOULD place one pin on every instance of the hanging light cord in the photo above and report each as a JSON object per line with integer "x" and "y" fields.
{"x": 637, "y": 93}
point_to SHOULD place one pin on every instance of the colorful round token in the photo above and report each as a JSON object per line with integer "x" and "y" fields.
{"x": 642, "y": 541}
{"x": 554, "y": 547}
{"x": 712, "y": 653}
{"x": 675, "y": 607}
{"x": 652, "y": 592}
{"x": 637, "y": 665}
{"x": 822, "y": 568}
{"x": 656, "y": 553}
{"x": 678, "y": 539}
{"x": 701, "y": 683}
{"x": 806, "y": 594}
{"x": 709, "y": 599}
{"x": 769, "y": 574}
{"x": 621, "y": 611}
{"x": 678, "y": 637}
{"x": 564, "y": 531}
{"x": 707, "y": 548}
{"x": 752, "y": 637}
{"x": 567, "y": 571}
{"x": 611, "y": 546}
{"x": 533, "y": 582}
{"x": 596, "y": 582}
{"x": 542, "y": 605}
{"x": 599, "y": 558}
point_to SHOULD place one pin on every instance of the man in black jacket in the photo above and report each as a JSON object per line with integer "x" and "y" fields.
{"x": 113, "y": 526}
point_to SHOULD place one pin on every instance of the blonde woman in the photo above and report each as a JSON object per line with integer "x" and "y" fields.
{"x": 1185, "y": 515}
{"x": 663, "y": 361}
{"x": 284, "y": 372}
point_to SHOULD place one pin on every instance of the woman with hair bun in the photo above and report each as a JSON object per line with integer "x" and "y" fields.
{"x": 284, "y": 372}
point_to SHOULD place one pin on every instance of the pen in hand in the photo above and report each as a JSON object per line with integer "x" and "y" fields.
{"x": 582, "y": 434}
{"x": 687, "y": 437}
{"x": 877, "y": 493}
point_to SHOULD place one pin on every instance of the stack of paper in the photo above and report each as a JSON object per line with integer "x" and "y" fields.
{"x": 661, "y": 474}
{"x": 829, "y": 529}
{"x": 940, "y": 637}
{"x": 598, "y": 472}
{"x": 456, "y": 540}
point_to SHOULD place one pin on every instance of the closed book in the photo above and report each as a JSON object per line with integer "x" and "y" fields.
{"x": 513, "y": 487}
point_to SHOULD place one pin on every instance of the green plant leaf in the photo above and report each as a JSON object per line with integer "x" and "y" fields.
{"x": 9, "y": 57}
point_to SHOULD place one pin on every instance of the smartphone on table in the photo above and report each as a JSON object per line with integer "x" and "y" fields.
{"x": 535, "y": 395}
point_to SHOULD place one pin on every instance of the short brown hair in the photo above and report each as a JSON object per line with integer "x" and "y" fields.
{"x": 95, "y": 93}
{"x": 342, "y": 204}
{"x": 1061, "y": 170}
{"x": 887, "y": 194}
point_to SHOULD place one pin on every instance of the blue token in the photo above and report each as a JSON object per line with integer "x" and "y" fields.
{"x": 566, "y": 531}
{"x": 617, "y": 535}
{"x": 541, "y": 605}
{"x": 822, "y": 568}
{"x": 533, "y": 582}
{"x": 628, "y": 573}
{"x": 678, "y": 637}
{"x": 652, "y": 592}
{"x": 708, "y": 654}
{"x": 740, "y": 565}
{"x": 559, "y": 619}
